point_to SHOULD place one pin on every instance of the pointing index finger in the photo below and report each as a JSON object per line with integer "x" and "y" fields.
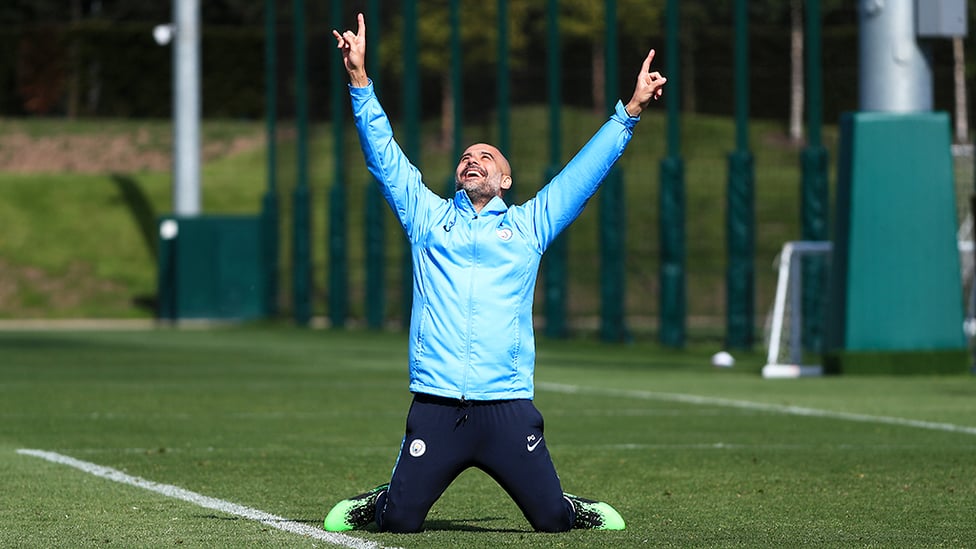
{"x": 646, "y": 67}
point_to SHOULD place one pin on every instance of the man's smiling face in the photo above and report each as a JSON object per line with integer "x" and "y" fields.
{"x": 483, "y": 173}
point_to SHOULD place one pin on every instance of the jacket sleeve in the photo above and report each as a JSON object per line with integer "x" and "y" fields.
{"x": 562, "y": 200}
{"x": 400, "y": 181}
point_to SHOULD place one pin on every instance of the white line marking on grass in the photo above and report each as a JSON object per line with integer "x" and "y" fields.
{"x": 207, "y": 502}
{"x": 759, "y": 406}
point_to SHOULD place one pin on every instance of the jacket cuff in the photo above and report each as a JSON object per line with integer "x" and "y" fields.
{"x": 622, "y": 116}
{"x": 361, "y": 92}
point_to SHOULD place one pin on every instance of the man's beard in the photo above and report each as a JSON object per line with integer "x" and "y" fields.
{"x": 478, "y": 191}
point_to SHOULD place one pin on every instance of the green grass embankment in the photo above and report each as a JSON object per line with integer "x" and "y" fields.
{"x": 83, "y": 244}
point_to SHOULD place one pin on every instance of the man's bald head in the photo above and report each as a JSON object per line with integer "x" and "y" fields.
{"x": 483, "y": 172}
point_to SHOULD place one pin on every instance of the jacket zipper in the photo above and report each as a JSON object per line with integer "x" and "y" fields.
{"x": 468, "y": 336}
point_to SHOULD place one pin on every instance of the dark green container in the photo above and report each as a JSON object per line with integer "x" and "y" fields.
{"x": 210, "y": 267}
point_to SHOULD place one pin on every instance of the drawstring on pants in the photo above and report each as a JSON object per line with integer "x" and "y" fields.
{"x": 463, "y": 406}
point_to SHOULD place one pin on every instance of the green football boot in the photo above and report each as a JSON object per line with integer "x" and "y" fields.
{"x": 594, "y": 515}
{"x": 355, "y": 512}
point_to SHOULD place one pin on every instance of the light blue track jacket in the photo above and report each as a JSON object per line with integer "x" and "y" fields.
{"x": 474, "y": 274}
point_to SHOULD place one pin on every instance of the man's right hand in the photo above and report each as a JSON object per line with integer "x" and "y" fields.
{"x": 353, "y": 47}
{"x": 650, "y": 85}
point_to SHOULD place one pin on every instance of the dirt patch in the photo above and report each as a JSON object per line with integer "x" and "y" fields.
{"x": 124, "y": 152}
{"x": 29, "y": 292}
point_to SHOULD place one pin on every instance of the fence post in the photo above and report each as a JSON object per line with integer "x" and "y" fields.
{"x": 672, "y": 297}
{"x": 374, "y": 230}
{"x": 504, "y": 120}
{"x": 301, "y": 264}
{"x": 740, "y": 274}
{"x": 554, "y": 261}
{"x": 457, "y": 94}
{"x": 411, "y": 143}
{"x": 269, "y": 203}
{"x": 814, "y": 186}
{"x": 337, "y": 245}
{"x": 613, "y": 280}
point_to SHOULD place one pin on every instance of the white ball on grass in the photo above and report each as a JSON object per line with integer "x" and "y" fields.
{"x": 723, "y": 359}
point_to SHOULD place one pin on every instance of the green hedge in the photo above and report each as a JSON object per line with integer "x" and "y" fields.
{"x": 121, "y": 72}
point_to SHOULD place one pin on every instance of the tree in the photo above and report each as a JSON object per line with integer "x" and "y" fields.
{"x": 584, "y": 19}
{"x": 797, "y": 89}
{"x": 479, "y": 44}
{"x": 959, "y": 79}
{"x": 797, "y": 75}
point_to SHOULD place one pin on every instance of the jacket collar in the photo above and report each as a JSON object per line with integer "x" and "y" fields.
{"x": 494, "y": 206}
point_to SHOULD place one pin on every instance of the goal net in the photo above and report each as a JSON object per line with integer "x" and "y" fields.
{"x": 795, "y": 323}
{"x": 793, "y": 351}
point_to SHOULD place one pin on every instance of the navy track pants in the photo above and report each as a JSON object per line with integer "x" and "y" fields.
{"x": 504, "y": 438}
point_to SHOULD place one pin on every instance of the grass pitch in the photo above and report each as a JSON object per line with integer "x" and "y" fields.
{"x": 289, "y": 421}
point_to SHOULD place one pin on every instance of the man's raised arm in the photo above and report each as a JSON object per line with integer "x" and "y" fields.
{"x": 353, "y": 47}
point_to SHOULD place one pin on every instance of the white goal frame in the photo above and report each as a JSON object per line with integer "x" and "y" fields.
{"x": 790, "y": 273}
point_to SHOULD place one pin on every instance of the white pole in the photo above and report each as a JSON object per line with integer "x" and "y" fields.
{"x": 896, "y": 71}
{"x": 186, "y": 108}
{"x": 779, "y": 303}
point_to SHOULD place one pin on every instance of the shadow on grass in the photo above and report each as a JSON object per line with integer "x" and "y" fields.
{"x": 465, "y": 525}
{"x": 144, "y": 216}
{"x": 141, "y": 209}
{"x": 32, "y": 342}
